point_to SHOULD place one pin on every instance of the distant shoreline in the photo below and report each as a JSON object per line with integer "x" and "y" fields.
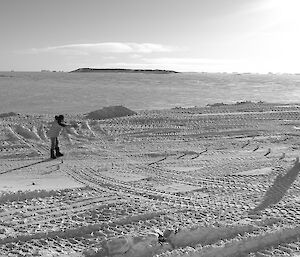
{"x": 110, "y": 110}
{"x": 125, "y": 71}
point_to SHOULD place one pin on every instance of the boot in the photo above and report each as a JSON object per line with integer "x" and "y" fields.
{"x": 58, "y": 153}
{"x": 52, "y": 155}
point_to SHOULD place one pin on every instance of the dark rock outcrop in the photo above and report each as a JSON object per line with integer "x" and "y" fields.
{"x": 7, "y": 114}
{"x": 109, "y": 113}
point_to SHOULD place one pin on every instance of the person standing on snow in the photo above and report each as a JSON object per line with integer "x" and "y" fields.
{"x": 53, "y": 133}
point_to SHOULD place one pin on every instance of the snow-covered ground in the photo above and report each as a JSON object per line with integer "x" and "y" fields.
{"x": 205, "y": 181}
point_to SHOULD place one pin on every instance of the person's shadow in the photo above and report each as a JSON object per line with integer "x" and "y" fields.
{"x": 280, "y": 186}
{"x": 25, "y": 166}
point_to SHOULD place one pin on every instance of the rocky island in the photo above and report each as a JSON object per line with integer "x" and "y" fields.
{"x": 125, "y": 70}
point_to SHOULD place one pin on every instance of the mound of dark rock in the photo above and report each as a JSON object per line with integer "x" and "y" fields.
{"x": 7, "y": 114}
{"x": 109, "y": 113}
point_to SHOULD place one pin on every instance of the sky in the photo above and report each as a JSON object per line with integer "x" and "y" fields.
{"x": 183, "y": 35}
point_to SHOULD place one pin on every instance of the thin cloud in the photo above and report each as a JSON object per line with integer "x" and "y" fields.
{"x": 107, "y": 47}
{"x": 188, "y": 61}
{"x": 181, "y": 64}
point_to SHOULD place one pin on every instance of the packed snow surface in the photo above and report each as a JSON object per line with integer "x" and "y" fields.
{"x": 221, "y": 180}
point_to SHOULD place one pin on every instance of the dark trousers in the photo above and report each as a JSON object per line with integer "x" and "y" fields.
{"x": 54, "y": 143}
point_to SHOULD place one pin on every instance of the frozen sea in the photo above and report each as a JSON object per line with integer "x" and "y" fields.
{"x": 61, "y": 92}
